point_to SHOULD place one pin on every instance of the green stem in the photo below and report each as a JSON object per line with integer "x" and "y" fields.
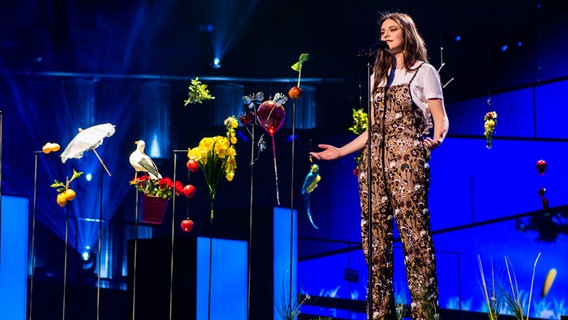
{"x": 212, "y": 207}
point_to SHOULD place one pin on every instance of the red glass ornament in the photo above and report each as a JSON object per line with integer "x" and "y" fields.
{"x": 271, "y": 116}
{"x": 541, "y": 166}
{"x": 187, "y": 225}
{"x": 192, "y": 165}
{"x": 189, "y": 191}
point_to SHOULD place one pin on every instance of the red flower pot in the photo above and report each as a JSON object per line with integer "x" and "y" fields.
{"x": 153, "y": 209}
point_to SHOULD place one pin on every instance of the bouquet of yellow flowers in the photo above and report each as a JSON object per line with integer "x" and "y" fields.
{"x": 216, "y": 157}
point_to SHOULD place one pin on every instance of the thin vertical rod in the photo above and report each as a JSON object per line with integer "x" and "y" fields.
{"x": 65, "y": 261}
{"x": 135, "y": 257}
{"x": 249, "y": 253}
{"x": 369, "y": 200}
{"x": 100, "y": 243}
{"x": 210, "y": 265}
{"x": 32, "y": 254}
{"x": 275, "y": 170}
{"x": 173, "y": 238}
{"x": 292, "y": 196}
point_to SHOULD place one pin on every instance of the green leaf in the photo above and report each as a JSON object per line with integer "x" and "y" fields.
{"x": 76, "y": 175}
{"x": 57, "y": 184}
{"x": 298, "y": 65}
{"x": 304, "y": 57}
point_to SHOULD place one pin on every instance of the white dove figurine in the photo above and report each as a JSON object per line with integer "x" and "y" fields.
{"x": 142, "y": 162}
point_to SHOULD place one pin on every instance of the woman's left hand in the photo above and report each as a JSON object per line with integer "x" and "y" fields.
{"x": 431, "y": 144}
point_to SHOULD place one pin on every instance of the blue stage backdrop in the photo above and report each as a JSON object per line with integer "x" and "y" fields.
{"x": 480, "y": 201}
{"x": 13, "y": 257}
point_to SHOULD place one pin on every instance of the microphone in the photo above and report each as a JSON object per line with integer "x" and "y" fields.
{"x": 370, "y": 50}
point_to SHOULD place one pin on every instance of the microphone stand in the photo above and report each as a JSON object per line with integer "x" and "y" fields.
{"x": 369, "y": 54}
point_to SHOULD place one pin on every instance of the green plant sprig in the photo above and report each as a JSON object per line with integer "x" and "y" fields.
{"x": 298, "y": 65}
{"x": 60, "y": 186}
{"x": 197, "y": 93}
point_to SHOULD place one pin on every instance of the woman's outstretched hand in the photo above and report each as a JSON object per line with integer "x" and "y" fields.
{"x": 329, "y": 152}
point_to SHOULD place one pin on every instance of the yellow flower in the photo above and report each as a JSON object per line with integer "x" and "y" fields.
{"x": 231, "y": 122}
{"x": 217, "y": 155}
{"x": 489, "y": 127}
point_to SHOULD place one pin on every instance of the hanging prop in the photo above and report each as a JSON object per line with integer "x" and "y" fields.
{"x": 489, "y": 126}
{"x": 88, "y": 139}
{"x": 271, "y": 115}
{"x": 541, "y": 166}
{"x": 360, "y": 120}
{"x": 296, "y": 92}
{"x": 50, "y": 147}
{"x": 216, "y": 157}
{"x": 310, "y": 183}
{"x": 141, "y": 162}
{"x": 64, "y": 191}
{"x": 197, "y": 93}
{"x": 549, "y": 280}
{"x": 187, "y": 225}
{"x": 249, "y": 120}
{"x": 543, "y": 199}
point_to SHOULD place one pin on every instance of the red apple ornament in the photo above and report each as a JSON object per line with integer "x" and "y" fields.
{"x": 189, "y": 191}
{"x": 192, "y": 165}
{"x": 541, "y": 166}
{"x": 187, "y": 225}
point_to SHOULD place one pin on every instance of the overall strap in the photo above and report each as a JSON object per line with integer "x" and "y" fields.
{"x": 416, "y": 72}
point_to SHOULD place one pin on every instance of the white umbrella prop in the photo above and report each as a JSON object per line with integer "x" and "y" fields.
{"x": 88, "y": 139}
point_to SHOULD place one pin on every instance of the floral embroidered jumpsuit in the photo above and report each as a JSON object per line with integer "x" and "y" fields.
{"x": 399, "y": 188}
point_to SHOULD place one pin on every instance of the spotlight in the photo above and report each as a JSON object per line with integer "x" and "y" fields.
{"x": 216, "y": 63}
{"x": 89, "y": 258}
{"x": 86, "y": 255}
{"x": 89, "y": 177}
{"x": 458, "y": 38}
{"x": 504, "y": 48}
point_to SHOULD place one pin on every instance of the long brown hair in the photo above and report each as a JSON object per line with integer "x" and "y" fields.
{"x": 414, "y": 48}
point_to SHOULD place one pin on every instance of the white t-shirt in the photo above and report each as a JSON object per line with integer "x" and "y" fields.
{"x": 426, "y": 85}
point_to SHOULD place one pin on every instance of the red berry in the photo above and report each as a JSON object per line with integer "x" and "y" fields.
{"x": 294, "y": 93}
{"x": 192, "y": 165}
{"x": 186, "y": 225}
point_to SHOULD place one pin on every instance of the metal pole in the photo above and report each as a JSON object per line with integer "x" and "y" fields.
{"x": 249, "y": 253}
{"x": 135, "y": 257}
{"x": 369, "y": 200}
{"x": 32, "y": 254}
{"x": 0, "y": 184}
{"x": 100, "y": 245}
{"x": 292, "y": 200}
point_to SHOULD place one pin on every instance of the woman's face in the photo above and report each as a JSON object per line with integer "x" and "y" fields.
{"x": 392, "y": 34}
